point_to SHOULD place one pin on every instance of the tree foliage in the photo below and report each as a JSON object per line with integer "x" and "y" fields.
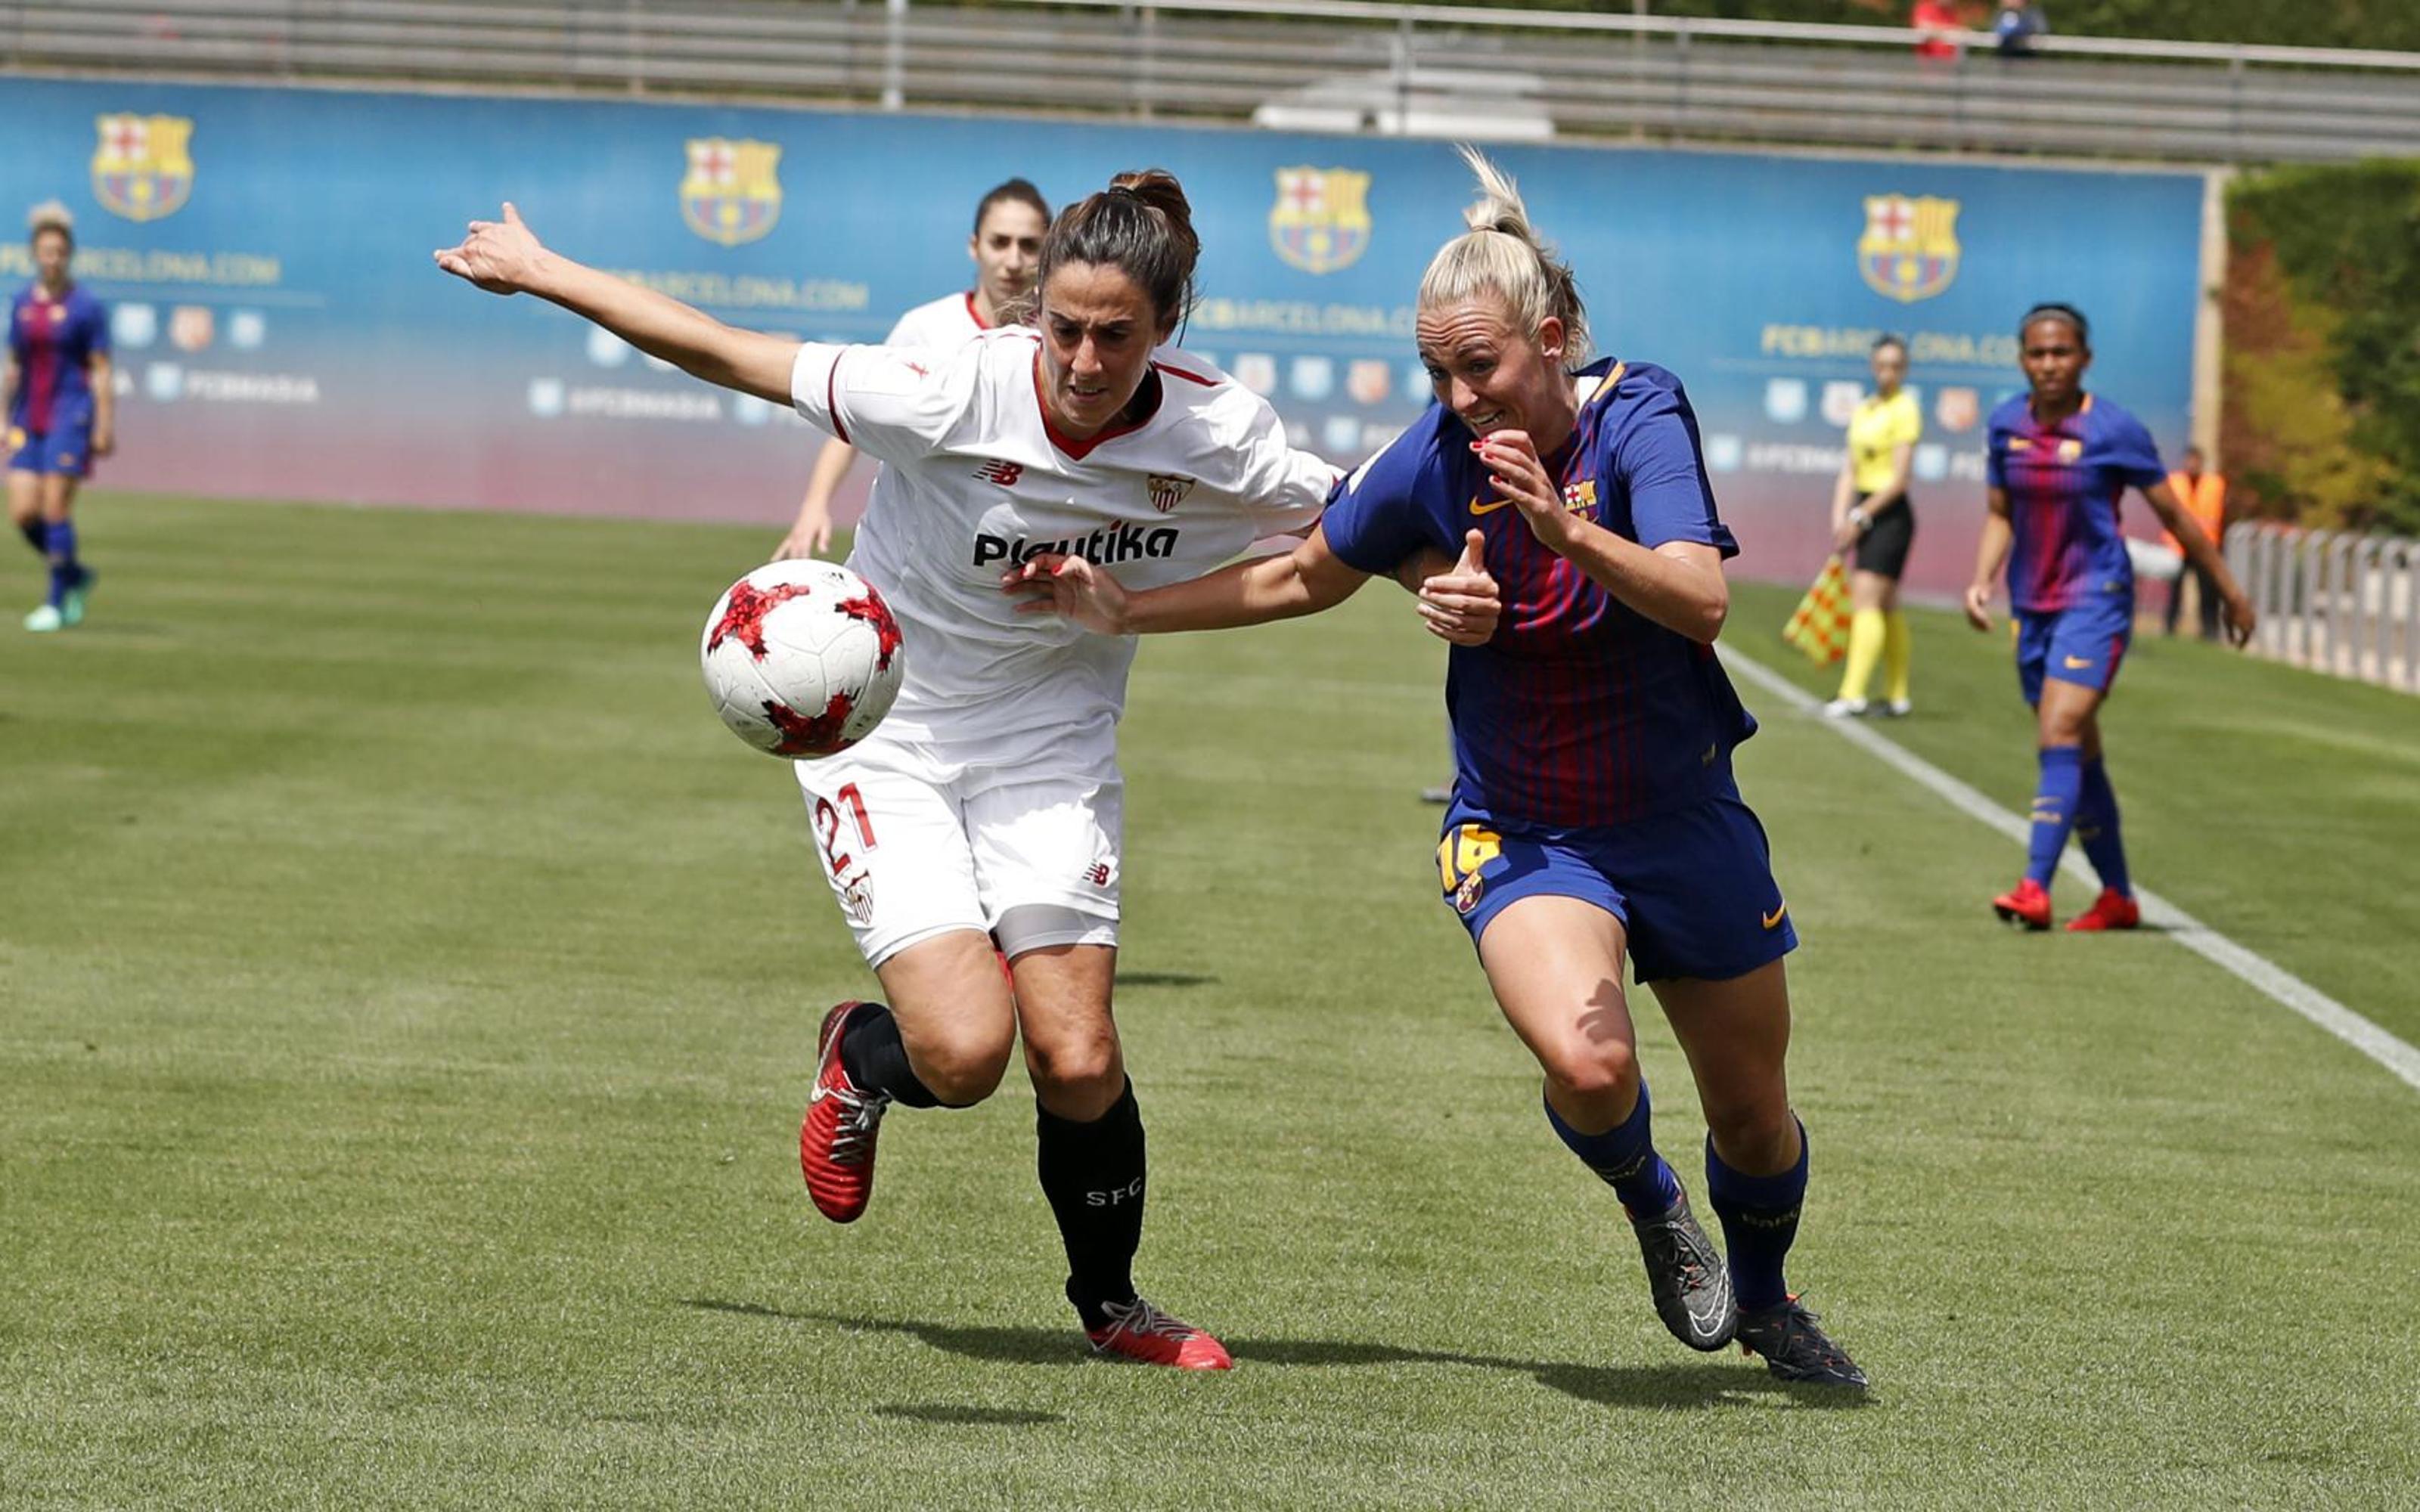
{"x": 2323, "y": 304}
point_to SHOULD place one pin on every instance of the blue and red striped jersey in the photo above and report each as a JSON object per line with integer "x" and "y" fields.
{"x": 51, "y": 340}
{"x": 2063, "y": 484}
{"x": 1581, "y": 711}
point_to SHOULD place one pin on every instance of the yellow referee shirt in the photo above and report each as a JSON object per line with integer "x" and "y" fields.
{"x": 1880, "y": 427}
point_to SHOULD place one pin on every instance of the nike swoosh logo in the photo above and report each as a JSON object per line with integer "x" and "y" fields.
{"x": 1773, "y": 921}
{"x": 2077, "y": 664}
{"x": 1478, "y": 508}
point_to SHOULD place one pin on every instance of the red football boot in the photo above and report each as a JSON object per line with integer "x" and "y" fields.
{"x": 1139, "y": 1331}
{"x": 836, "y": 1137}
{"x": 2111, "y": 910}
{"x": 2026, "y": 904}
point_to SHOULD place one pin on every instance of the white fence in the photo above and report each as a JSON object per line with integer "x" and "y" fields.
{"x": 1326, "y": 65}
{"x": 2334, "y": 601}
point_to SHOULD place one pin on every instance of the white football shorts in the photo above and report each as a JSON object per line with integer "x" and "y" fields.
{"x": 1012, "y": 835}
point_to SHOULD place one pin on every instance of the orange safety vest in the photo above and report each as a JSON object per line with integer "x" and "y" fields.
{"x": 2205, "y": 500}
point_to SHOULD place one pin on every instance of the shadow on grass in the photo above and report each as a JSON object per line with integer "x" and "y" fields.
{"x": 1011, "y": 1418}
{"x": 1164, "y": 978}
{"x": 1707, "y": 1383}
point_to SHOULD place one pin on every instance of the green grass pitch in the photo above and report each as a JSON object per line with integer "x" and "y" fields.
{"x": 407, "y": 990}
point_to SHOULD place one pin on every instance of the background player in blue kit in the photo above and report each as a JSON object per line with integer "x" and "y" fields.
{"x": 57, "y": 391}
{"x": 1595, "y": 816}
{"x": 2060, "y": 460}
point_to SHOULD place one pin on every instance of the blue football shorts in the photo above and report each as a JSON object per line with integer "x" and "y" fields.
{"x": 2081, "y": 643}
{"x": 66, "y": 449}
{"x": 1694, "y": 887}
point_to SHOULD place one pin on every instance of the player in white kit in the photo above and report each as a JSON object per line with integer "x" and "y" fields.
{"x": 1010, "y": 221}
{"x": 986, "y": 807}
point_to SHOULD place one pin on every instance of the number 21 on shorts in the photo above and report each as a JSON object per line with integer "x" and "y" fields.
{"x": 828, "y": 828}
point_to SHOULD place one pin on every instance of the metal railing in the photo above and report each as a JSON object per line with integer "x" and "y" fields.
{"x": 1313, "y": 64}
{"x": 2334, "y": 601}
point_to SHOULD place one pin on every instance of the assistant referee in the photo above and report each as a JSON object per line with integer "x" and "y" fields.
{"x": 1873, "y": 524}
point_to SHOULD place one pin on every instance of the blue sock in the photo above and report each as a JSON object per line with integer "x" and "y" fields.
{"x": 2062, "y": 783}
{"x": 1759, "y": 1216}
{"x": 59, "y": 544}
{"x": 1625, "y": 1155}
{"x": 37, "y": 534}
{"x": 2096, "y": 826}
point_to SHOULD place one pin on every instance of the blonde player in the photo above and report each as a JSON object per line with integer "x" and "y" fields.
{"x": 1009, "y": 225}
{"x": 986, "y": 807}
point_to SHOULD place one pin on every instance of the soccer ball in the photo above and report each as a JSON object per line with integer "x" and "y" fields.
{"x": 802, "y": 659}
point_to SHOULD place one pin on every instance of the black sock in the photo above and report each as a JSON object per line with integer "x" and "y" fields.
{"x": 1093, "y": 1175}
{"x": 36, "y": 535}
{"x": 876, "y": 1061}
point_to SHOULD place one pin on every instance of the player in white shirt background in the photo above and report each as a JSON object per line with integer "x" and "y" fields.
{"x": 1010, "y": 221}
{"x": 988, "y": 806}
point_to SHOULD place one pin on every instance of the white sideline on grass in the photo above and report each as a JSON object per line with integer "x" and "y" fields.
{"x": 2279, "y": 984}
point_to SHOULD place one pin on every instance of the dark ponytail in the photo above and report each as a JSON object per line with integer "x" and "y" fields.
{"x": 1143, "y": 225}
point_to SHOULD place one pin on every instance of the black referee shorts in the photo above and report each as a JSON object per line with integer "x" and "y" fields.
{"x": 1884, "y": 546}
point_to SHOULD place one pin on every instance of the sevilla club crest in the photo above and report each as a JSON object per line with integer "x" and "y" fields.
{"x": 1321, "y": 222}
{"x": 733, "y": 192}
{"x": 1167, "y": 489}
{"x": 1910, "y": 248}
{"x": 144, "y": 167}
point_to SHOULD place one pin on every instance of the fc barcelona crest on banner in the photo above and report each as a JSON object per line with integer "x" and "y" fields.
{"x": 144, "y": 167}
{"x": 1910, "y": 248}
{"x": 732, "y": 192}
{"x": 1321, "y": 222}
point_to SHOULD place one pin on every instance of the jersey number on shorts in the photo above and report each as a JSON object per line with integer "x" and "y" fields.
{"x": 1465, "y": 851}
{"x": 828, "y": 826}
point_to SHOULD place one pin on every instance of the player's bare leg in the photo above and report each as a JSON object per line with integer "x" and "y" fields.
{"x": 1736, "y": 1034}
{"x": 1089, "y": 1153}
{"x": 944, "y": 1038}
{"x": 1554, "y": 964}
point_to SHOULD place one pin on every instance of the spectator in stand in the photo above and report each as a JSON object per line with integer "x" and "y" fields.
{"x": 2203, "y": 493}
{"x": 1938, "y": 26}
{"x": 2017, "y": 26}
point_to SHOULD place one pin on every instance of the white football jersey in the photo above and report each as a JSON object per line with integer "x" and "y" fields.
{"x": 974, "y": 481}
{"x": 946, "y": 323}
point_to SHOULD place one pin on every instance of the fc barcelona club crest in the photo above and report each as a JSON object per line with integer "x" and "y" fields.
{"x": 1910, "y": 248}
{"x": 732, "y": 192}
{"x": 144, "y": 167}
{"x": 1321, "y": 222}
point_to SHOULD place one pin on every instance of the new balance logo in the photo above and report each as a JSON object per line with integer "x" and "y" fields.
{"x": 1003, "y": 473}
{"x": 1097, "y": 874}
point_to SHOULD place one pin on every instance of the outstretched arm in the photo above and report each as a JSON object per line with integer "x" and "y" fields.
{"x": 1304, "y": 581}
{"x": 505, "y": 257}
{"x": 1458, "y": 599}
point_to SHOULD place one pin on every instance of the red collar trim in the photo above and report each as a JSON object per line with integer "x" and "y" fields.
{"x": 1081, "y": 450}
{"x": 974, "y": 314}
